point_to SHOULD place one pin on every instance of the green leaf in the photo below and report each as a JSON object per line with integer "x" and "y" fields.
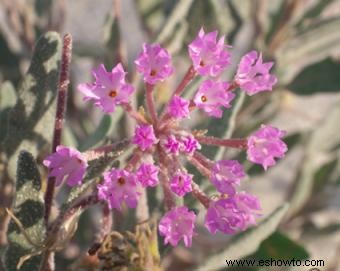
{"x": 279, "y": 246}
{"x": 28, "y": 208}
{"x": 320, "y": 77}
{"x": 245, "y": 243}
{"x": 31, "y": 121}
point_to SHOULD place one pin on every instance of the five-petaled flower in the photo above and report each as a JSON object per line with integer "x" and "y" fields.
{"x": 212, "y": 95}
{"x": 253, "y": 75}
{"x": 109, "y": 89}
{"x": 180, "y": 183}
{"x": 177, "y": 224}
{"x": 144, "y": 136}
{"x": 265, "y": 144}
{"x": 154, "y": 62}
{"x": 147, "y": 174}
{"x": 119, "y": 186}
{"x": 209, "y": 56}
{"x": 66, "y": 161}
{"x": 226, "y": 174}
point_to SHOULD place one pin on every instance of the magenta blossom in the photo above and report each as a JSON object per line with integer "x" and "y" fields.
{"x": 180, "y": 183}
{"x": 144, "y": 136}
{"x": 189, "y": 144}
{"x": 177, "y": 224}
{"x": 171, "y": 144}
{"x": 230, "y": 215}
{"x": 119, "y": 186}
{"x": 226, "y": 174}
{"x": 178, "y": 107}
{"x": 209, "y": 56}
{"x": 253, "y": 75}
{"x": 66, "y": 161}
{"x": 249, "y": 206}
{"x": 154, "y": 62}
{"x": 147, "y": 175}
{"x": 265, "y": 144}
{"x": 109, "y": 89}
{"x": 211, "y": 95}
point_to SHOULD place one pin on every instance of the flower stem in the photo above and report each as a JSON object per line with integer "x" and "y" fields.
{"x": 190, "y": 74}
{"x": 150, "y": 103}
{"x": 238, "y": 143}
{"x": 200, "y": 167}
{"x": 116, "y": 149}
{"x": 185, "y": 81}
{"x": 134, "y": 114}
{"x": 200, "y": 196}
{"x": 60, "y": 114}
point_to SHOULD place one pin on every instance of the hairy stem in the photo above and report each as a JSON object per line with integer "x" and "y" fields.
{"x": 200, "y": 196}
{"x": 150, "y": 103}
{"x": 238, "y": 143}
{"x": 60, "y": 115}
{"x": 134, "y": 114}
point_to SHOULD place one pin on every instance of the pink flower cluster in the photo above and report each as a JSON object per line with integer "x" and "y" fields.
{"x": 161, "y": 136}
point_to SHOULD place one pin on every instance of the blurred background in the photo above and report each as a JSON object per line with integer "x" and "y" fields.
{"x": 302, "y": 37}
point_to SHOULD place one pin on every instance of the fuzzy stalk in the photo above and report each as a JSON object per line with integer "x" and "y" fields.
{"x": 60, "y": 115}
{"x": 150, "y": 103}
{"x": 238, "y": 143}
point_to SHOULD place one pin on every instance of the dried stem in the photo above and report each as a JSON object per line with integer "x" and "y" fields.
{"x": 238, "y": 143}
{"x": 60, "y": 114}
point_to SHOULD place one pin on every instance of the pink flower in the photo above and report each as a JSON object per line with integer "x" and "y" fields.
{"x": 211, "y": 95}
{"x": 109, "y": 89}
{"x": 177, "y": 224}
{"x": 222, "y": 216}
{"x": 171, "y": 144}
{"x": 66, "y": 161}
{"x": 233, "y": 214}
{"x": 253, "y": 75}
{"x": 178, "y": 107}
{"x": 265, "y": 144}
{"x": 180, "y": 183}
{"x": 189, "y": 144}
{"x": 249, "y": 206}
{"x": 226, "y": 174}
{"x": 154, "y": 62}
{"x": 209, "y": 57}
{"x": 144, "y": 136}
{"x": 119, "y": 186}
{"x": 147, "y": 175}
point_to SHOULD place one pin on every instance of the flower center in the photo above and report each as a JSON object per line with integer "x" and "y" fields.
{"x": 121, "y": 181}
{"x": 202, "y": 63}
{"x": 203, "y": 99}
{"x": 113, "y": 93}
{"x": 153, "y": 72}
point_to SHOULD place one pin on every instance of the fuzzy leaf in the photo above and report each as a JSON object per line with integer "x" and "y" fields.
{"x": 321, "y": 148}
{"x": 8, "y": 99}
{"x": 245, "y": 243}
{"x": 28, "y": 208}
{"x": 31, "y": 121}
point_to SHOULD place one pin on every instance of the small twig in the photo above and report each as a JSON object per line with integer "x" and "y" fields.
{"x": 200, "y": 196}
{"x": 60, "y": 114}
